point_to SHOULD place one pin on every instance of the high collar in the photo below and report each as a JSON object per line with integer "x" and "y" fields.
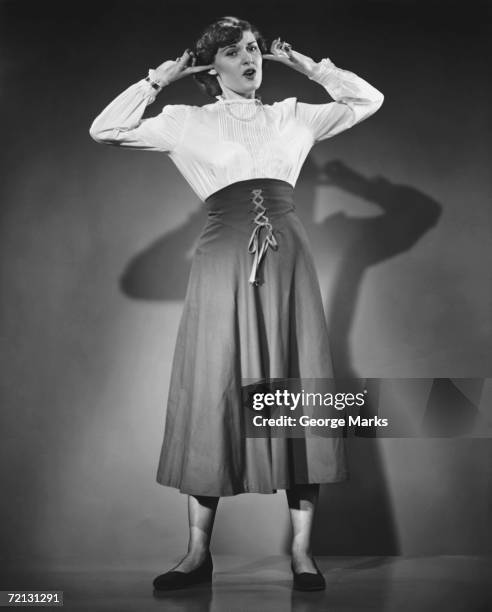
{"x": 221, "y": 98}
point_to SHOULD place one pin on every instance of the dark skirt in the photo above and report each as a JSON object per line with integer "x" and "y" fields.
{"x": 252, "y": 311}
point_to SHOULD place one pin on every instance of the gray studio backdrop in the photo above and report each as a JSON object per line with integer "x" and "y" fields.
{"x": 96, "y": 245}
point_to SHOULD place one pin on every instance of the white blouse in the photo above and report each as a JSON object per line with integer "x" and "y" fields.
{"x": 234, "y": 140}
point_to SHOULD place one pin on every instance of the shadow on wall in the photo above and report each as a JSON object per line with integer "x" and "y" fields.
{"x": 353, "y": 517}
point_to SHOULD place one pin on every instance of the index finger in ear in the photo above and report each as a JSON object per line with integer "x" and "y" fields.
{"x": 186, "y": 55}
{"x": 192, "y": 69}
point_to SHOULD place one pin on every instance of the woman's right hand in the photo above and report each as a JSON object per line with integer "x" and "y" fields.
{"x": 170, "y": 70}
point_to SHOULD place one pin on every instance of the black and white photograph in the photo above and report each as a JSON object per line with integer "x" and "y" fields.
{"x": 246, "y": 307}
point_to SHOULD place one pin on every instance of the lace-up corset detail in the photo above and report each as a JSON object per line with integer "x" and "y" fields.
{"x": 260, "y": 221}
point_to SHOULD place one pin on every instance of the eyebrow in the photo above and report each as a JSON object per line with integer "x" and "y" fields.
{"x": 235, "y": 44}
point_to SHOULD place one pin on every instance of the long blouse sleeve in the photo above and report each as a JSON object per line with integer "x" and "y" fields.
{"x": 354, "y": 101}
{"x": 121, "y": 123}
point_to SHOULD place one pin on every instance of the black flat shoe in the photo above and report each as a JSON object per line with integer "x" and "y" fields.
{"x": 180, "y": 580}
{"x": 306, "y": 581}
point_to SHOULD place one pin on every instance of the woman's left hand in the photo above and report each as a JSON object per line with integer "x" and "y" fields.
{"x": 282, "y": 52}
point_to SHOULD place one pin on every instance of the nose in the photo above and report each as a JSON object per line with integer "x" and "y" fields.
{"x": 248, "y": 57}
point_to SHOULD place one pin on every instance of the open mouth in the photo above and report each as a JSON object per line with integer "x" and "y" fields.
{"x": 249, "y": 73}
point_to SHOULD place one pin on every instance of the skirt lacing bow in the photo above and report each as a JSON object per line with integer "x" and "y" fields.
{"x": 260, "y": 220}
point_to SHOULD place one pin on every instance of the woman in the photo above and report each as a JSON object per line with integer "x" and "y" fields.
{"x": 253, "y": 308}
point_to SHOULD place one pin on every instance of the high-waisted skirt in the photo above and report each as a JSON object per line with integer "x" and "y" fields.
{"x": 252, "y": 311}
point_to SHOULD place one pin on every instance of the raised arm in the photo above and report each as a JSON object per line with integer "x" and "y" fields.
{"x": 355, "y": 99}
{"x": 121, "y": 123}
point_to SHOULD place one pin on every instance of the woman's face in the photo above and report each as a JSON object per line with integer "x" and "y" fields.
{"x": 238, "y": 65}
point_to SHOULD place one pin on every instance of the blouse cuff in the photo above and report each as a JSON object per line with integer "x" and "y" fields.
{"x": 323, "y": 69}
{"x": 146, "y": 89}
{"x": 152, "y": 77}
{"x": 337, "y": 82}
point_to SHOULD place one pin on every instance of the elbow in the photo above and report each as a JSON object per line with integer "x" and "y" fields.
{"x": 378, "y": 101}
{"x": 374, "y": 105}
{"x": 97, "y": 134}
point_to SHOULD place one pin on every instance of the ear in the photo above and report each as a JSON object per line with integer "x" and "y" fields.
{"x": 212, "y": 71}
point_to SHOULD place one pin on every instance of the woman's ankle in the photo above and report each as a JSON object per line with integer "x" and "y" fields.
{"x": 198, "y": 550}
{"x": 301, "y": 551}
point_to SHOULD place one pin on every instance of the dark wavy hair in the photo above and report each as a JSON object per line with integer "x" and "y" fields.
{"x": 223, "y": 32}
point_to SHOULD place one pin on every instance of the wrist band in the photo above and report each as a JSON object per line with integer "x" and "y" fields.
{"x": 322, "y": 68}
{"x": 155, "y": 85}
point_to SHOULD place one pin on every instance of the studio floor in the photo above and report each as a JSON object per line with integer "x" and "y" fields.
{"x": 383, "y": 584}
